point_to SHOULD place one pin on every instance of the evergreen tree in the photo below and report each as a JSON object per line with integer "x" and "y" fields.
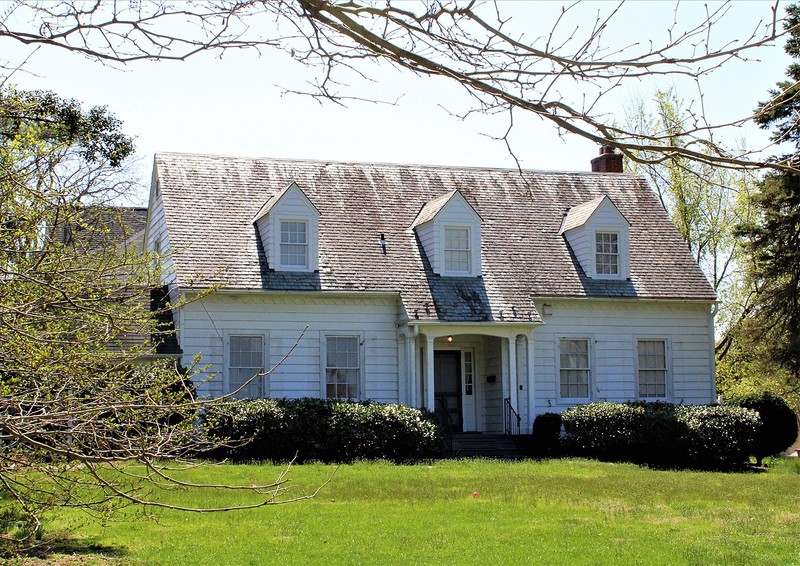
{"x": 773, "y": 237}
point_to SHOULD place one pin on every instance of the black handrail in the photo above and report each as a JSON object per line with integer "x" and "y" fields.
{"x": 512, "y": 418}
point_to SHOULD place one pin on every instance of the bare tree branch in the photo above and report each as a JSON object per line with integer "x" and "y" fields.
{"x": 471, "y": 43}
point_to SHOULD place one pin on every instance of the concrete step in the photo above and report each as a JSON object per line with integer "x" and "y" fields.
{"x": 471, "y": 445}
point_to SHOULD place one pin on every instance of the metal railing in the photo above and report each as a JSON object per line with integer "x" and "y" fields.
{"x": 511, "y": 417}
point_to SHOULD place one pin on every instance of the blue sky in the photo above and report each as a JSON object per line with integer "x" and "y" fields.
{"x": 234, "y": 105}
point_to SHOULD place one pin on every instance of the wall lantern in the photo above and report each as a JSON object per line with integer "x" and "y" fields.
{"x": 449, "y": 339}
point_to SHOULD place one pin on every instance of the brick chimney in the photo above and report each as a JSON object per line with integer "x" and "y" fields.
{"x": 608, "y": 161}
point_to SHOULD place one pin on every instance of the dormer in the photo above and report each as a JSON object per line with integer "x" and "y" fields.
{"x": 598, "y": 234}
{"x": 449, "y": 230}
{"x": 289, "y": 228}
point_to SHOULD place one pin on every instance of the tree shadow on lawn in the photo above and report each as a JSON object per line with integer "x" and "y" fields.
{"x": 66, "y": 549}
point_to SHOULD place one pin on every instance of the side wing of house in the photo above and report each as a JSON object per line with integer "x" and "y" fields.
{"x": 294, "y": 345}
{"x": 623, "y": 350}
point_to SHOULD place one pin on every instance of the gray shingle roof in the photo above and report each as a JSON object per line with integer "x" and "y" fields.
{"x": 210, "y": 202}
{"x": 100, "y": 226}
{"x": 433, "y": 207}
{"x": 580, "y": 214}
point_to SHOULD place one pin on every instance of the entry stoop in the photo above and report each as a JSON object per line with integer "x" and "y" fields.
{"x": 477, "y": 445}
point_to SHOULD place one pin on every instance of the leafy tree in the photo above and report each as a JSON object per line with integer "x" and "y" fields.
{"x": 705, "y": 202}
{"x": 748, "y": 366}
{"x": 74, "y": 411}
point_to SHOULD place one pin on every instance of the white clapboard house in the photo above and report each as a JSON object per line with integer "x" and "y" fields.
{"x": 479, "y": 293}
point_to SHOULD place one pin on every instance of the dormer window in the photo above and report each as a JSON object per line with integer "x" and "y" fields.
{"x": 449, "y": 231}
{"x": 599, "y": 236}
{"x": 606, "y": 253}
{"x": 294, "y": 244}
{"x": 456, "y": 250}
{"x": 288, "y": 225}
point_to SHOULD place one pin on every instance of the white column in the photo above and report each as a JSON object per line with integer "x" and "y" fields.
{"x": 512, "y": 371}
{"x": 531, "y": 382}
{"x": 430, "y": 403}
{"x": 403, "y": 394}
{"x": 413, "y": 380}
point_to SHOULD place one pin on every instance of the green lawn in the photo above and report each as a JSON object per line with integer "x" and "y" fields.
{"x": 553, "y": 512}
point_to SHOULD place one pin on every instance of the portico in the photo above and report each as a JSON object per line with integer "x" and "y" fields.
{"x": 474, "y": 375}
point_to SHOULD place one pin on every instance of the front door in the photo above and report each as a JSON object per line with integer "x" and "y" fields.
{"x": 447, "y": 389}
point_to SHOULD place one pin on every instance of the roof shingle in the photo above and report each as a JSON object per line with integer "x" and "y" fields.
{"x": 210, "y": 202}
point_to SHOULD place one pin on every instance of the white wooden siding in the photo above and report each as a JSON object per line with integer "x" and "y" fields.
{"x": 493, "y": 392}
{"x": 615, "y": 327}
{"x": 284, "y": 318}
{"x": 265, "y": 227}
{"x": 427, "y": 237}
{"x": 157, "y": 230}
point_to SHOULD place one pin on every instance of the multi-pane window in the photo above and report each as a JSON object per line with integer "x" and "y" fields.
{"x": 341, "y": 367}
{"x": 607, "y": 253}
{"x": 469, "y": 372}
{"x": 652, "y": 368}
{"x": 246, "y": 366}
{"x": 294, "y": 243}
{"x": 456, "y": 250}
{"x": 574, "y": 369}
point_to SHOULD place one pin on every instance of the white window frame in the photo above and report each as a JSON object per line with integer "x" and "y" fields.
{"x": 323, "y": 362}
{"x": 226, "y": 384}
{"x": 468, "y": 371}
{"x": 590, "y": 381}
{"x": 598, "y": 254}
{"x": 667, "y": 369}
{"x": 468, "y": 250}
{"x": 306, "y": 245}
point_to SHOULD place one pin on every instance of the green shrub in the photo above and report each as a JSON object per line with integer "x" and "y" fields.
{"x": 661, "y": 434}
{"x": 718, "y": 436}
{"x": 321, "y": 429}
{"x": 602, "y": 430}
{"x": 778, "y": 430}
{"x": 546, "y": 439}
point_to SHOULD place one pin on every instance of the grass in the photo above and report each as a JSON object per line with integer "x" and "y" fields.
{"x": 551, "y": 512}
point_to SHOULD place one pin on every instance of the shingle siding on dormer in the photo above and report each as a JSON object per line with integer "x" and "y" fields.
{"x": 427, "y": 239}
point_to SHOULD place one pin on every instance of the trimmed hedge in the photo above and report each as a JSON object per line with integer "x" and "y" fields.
{"x": 661, "y": 434}
{"x": 325, "y": 430}
{"x": 778, "y": 430}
